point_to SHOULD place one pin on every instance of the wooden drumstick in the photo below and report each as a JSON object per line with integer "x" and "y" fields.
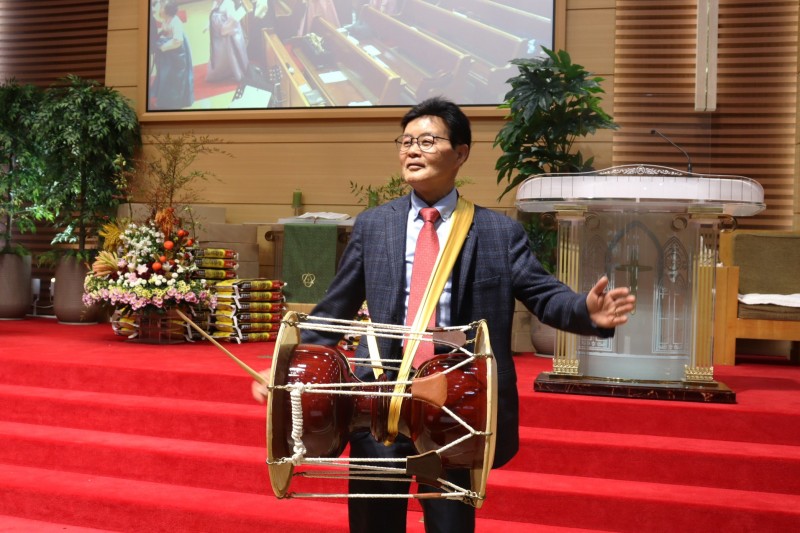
{"x": 255, "y": 375}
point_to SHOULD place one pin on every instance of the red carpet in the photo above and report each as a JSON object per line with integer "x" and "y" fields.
{"x": 204, "y": 89}
{"x": 101, "y": 434}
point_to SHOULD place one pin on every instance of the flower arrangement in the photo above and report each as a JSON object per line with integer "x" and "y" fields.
{"x": 147, "y": 267}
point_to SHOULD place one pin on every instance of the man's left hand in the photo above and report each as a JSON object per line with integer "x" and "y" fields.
{"x": 609, "y": 309}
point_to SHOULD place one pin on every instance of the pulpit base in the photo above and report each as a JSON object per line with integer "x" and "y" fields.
{"x": 711, "y": 392}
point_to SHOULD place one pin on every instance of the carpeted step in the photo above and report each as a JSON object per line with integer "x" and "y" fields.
{"x": 242, "y": 424}
{"x": 631, "y": 506}
{"x": 13, "y": 524}
{"x": 139, "y": 506}
{"x": 137, "y": 457}
{"x": 778, "y": 424}
{"x": 723, "y": 464}
{"x": 122, "y": 376}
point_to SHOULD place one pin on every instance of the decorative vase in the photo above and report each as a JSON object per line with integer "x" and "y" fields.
{"x": 15, "y": 286}
{"x": 543, "y": 338}
{"x": 68, "y": 303}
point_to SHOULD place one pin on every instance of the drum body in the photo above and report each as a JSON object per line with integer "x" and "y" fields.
{"x": 432, "y": 428}
{"x": 328, "y": 417}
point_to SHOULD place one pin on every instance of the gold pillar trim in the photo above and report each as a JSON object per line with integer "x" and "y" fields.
{"x": 565, "y": 360}
{"x": 703, "y": 285}
{"x": 565, "y": 366}
{"x": 699, "y": 373}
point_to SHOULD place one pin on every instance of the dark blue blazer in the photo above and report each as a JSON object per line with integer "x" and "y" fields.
{"x": 495, "y": 267}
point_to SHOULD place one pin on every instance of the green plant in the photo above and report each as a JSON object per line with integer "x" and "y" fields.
{"x": 394, "y": 188}
{"x": 169, "y": 179}
{"x": 372, "y": 196}
{"x": 542, "y": 238}
{"x": 21, "y": 174}
{"x": 551, "y": 103}
{"x": 87, "y": 132}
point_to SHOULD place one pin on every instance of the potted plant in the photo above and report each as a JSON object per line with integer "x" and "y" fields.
{"x": 87, "y": 132}
{"x": 21, "y": 203}
{"x": 551, "y": 103}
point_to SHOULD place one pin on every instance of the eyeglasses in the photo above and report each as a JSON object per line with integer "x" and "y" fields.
{"x": 426, "y": 142}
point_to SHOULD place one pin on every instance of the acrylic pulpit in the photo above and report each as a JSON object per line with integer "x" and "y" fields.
{"x": 655, "y": 230}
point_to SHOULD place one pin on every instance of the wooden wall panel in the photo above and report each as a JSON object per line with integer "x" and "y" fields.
{"x": 590, "y": 39}
{"x": 43, "y": 40}
{"x": 122, "y": 59}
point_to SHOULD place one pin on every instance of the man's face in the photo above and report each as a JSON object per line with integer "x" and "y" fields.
{"x": 431, "y": 174}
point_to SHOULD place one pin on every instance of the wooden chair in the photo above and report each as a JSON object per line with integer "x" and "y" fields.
{"x": 756, "y": 262}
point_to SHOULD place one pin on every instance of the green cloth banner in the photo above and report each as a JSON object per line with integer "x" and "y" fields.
{"x": 309, "y": 261}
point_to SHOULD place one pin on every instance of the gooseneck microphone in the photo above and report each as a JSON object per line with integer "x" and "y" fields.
{"x": 688, "y": 159}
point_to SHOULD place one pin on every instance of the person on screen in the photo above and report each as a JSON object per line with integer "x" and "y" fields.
{"x": 494, "y": 268}
{"x": 173, "y": 87}
{"x": 228, "y": 58}
{"x": 263, "y": 18}
{"x": 318, "y": 8}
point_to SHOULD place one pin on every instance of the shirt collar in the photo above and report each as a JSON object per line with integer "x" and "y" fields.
{"x": 446, "y": 206}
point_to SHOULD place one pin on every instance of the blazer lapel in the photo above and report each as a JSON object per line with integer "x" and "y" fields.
{"x": 467, "y": 258}
{"x": 396, "y": 242}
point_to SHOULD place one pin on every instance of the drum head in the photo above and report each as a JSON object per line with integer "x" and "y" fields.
{"x": 471, "y": 400}
{"x": 480, "y": 476}
{"x": 280, "y": 475}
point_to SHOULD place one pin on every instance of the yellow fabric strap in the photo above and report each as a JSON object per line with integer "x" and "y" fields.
{"x": 462, "y": 220}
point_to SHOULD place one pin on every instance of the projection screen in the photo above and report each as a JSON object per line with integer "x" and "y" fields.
{"x": 269, "y": 54}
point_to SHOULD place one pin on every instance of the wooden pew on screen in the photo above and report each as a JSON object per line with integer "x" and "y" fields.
{"x": 490, "y": 48}
{"x": 349, "y": 76}
{"x": 291, "y": 87}
{"x": 519, "y": 21}
{"x": 427, "y": 66}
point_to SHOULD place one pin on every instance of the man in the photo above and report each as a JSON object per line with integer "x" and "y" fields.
{"x": 495, "y": 267}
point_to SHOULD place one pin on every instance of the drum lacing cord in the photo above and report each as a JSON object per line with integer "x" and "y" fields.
{"x": 356, "y": 327}
{"x": 471, "y": 432}
{"x": 375, "y": 473}
{"x": 340, "y": 388}
{"x": 372, "y": 473}
{"x": 296, "y": 396}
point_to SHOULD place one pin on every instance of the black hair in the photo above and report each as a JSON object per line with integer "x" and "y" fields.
{"x": 170, "y": 8}
{"x": 459, "y": 130}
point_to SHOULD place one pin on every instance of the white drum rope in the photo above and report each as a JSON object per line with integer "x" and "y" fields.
{"x": 296, "y": 396}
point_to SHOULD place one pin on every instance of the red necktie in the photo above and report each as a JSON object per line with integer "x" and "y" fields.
{"x": 424, "y": 258}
